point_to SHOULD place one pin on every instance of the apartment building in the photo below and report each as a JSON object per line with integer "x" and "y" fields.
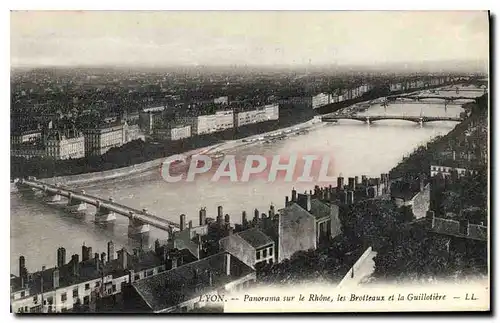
{"x": 106, "y": 136}
{"x": 65, "y": 144}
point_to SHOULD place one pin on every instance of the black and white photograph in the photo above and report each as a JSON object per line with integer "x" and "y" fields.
{"x": 169, "y": 161}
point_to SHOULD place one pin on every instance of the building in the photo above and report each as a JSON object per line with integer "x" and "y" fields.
{"x": 23, "y": 137}
{"x": 320, "y": 100}
{"x": 65, "y": 144}
{"x": 417, "y": 200}
{"x": 106, "y": 136}
{"x": 459, "y": 229}
{"x": 60, "y": 288}
{"x": 173, "y": 132}
{"x": 257, "y": 115}
{"x": 179, "y": 289}
{"x": 224, "y": 120}
{"x": 221, "y": 100}
{"x": 448, "y": 170}
{"x": 251, "y": 246}
{"x": 304, "y": 223}
{"x": 150, "y": 119}
{"x": 133, "y": 132}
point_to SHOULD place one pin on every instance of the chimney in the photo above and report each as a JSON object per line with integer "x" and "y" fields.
{"x": 286, "y": 201}
{"x": 352, "y": 183}
{"x": 203, "y": 216}
{"x": 122, "y": 258}
{"x": 76, "y": 265}
{"x": 256, "y": 215}
{"x": 174, "y": 262}
{"x": 182, "y": 222}
{"x": 340, "y": 183}
{"x": 271, "y": 212}
{"x": 190, "y": 224}
{"x": 219, "y": 220}
{"x": 22, "y": 268}
{"x": 55, "y": 278}
{"x": 103, "y": 257}
{"x": 316, "y": 190}
{"x": 308, "y": 203}
{"x": 219, "y": 211}
{"x": 244, "y": 218}
{"x": 84, "y": 253}
{"x": 294, "y": 195}
{"x": 111, "y": 251}
{"x": 364, "y": 180}
{"x": 227, "y": 219}
{"x": 356, "y": 180}
{"x": 228, "y": 264}
{"x": 61, "y": 257}
{"x": 96, "y": 255}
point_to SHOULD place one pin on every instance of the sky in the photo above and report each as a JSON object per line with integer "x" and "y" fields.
{"x": 163, "y": 38}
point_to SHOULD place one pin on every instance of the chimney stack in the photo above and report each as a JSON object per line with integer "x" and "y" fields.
{"x": 286, "y": 201}
{"x": 219, "y": 211}
{"x": 61, "y": 257}
{"x": 55, "y": 278}
{"x": 352, "y": 183}
{"x": 22, "y": 270}
{"x": 364, "y": 180}
{"x": 203, "y": 216}
{"x": 256, "y": 216}
{"x": 340, "y": 183}
{"x": 228, "y": 264}
{"x": 96, "y": 255}
{"x": 350, "y": 197}
{"x": 182, "y": 222}
{"x": 111, "y": 251}
{"x": 244, "y": 218}
{"x": 76, "y": 264}
{"x": 294, "y": 195}
{"x": 271, "y": 212}
{"x": 103, "y": 257}
{"x": 308, "y": 202}
{"x": 227, "y": 219}
{"x": 356, "y": 180}
{"x": 122, "y": 258}
{"x": 190, "y": 224}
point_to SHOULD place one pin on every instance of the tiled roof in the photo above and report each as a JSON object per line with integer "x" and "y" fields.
{"x": 170, "y": 288}
{"x": 255, "y": 237}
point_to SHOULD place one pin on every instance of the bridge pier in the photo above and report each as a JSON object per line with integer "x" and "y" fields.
{"x": 103, "y": 214}
{"x": 75, "y": 205}
{"x": 52, "y": 197}
{"x": 136, "y": 228}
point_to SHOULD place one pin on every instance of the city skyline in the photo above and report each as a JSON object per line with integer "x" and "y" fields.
{"x": 265, "y": 38}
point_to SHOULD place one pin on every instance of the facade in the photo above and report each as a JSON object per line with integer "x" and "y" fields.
{"x": 179, "y": 290}
{"x": 28, "y": 150}
{"x": 133, "y": 132}
{"x": 60, "y": 288}
{"x": 173, "y": 133}
{"x": 419, "y": 201}
{"x": 65, "y": 145}
{"x": 101, "y": 139}
{"x": 447, "y": 170}
{"x": 26, "y": 137}
{"x": 224, "y": 120}
{"x": 251, "y": 246}
{"x": 320, "y": 100}
{"x": 257, "y": 115}
{"x": 221, "y": 100}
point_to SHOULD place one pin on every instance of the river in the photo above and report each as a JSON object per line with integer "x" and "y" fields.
{"x": 38, "y": 229}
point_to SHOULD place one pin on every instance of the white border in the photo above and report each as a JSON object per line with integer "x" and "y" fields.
{"x": 187, "y": 5}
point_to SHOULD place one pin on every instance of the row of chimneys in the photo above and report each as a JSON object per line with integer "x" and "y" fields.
{"x": 75, "y": 262}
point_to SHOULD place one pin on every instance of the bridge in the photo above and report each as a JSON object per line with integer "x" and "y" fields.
{"x": 417, "y": 97}
{"x": 106, "y": 210}
{"x": 417, "y": 101}
{"x": 370, "y": 119}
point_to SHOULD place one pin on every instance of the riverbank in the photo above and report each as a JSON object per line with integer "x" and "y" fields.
{"x": 96, "y": 177}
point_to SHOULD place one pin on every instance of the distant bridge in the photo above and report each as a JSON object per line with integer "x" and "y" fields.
{"x": 440, "y": 97}
{"x": 370, "y": 119}
{"x": 139, "y": 221}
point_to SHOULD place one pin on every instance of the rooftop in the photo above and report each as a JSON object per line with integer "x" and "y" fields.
{"x": 255, "y": 238}
{"x": 319, "y": 209}
{"x": 170, "y": 288}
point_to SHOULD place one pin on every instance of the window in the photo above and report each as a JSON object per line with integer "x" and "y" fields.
{"x": 137, "y": 277}
{"x": 87, "y": 286}
{"x": 270, "y": 251}
{"x": 35, "y": 298}
{"x": 22, "y": 294}
{"x": 64, "y": 297}
{"x": 26, "y": 309}
{"x": 75, "y": 292}
{"x": 149, "y": 273}
{"x": 264, "y": 253}
{"x": 258, "y": 255}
